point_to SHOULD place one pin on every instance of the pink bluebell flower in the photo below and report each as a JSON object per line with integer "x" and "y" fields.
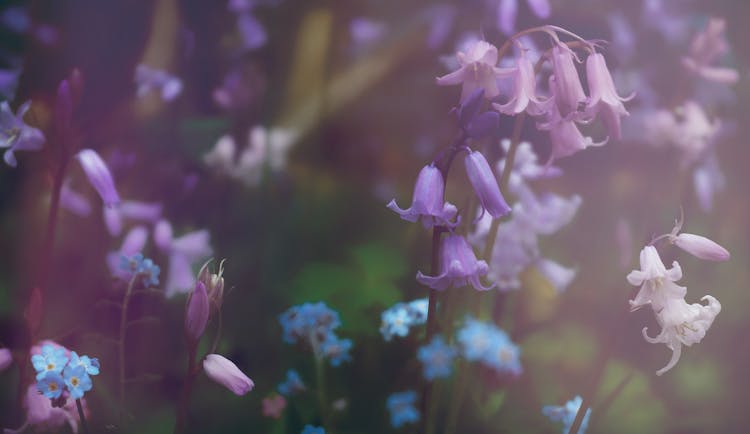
{"x": 604, "y": 99}
{"x": 524, "y": 96}
{"x": 428, "y": 203}
{"x": 196, "y": 313}
{"x": 223, "y": 371}
{"x": 565, "y": 82}
{"x": 15, "y": 134}
{"x": 458, "y": 266}
{"x": 477, "y": 70}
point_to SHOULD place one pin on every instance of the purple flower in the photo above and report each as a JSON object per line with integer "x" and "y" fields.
{"x": 604, "y": 98}
{"x": 477, "y": 70}
{"x": 148, "y": 79}
{"x": 458, "y": 266}
{"x": 524, "y": 90}
{"x": 223, "y": 371}
{"x": 15, "y": 134}
{"x": 365, "y": 32}
{"x": 196, "y": 314}
{"x": 183, "y": 253}
{"x": 485, "y": 184}
{"x": 427, "y": 201}
{"x": 565, "y": 136}
{"x": 6, "y": 358}
{"x": 565, "y": 83}
{"x": 75, "y": 202}
{"x": 99, "y": 176}
{"x": 148, "y": 212}
{"x": 708, "y": 180}
{"x": 134, "y": 242}
{"x": 705, "y": 49}
{"x": 507, "y": 10}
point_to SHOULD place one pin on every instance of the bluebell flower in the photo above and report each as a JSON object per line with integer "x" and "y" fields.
{"x": 52, "y": 359}
{"x": 50, "y": 384}
{"x": 437, "y": 358}
{"x": 292, "y": 385}
{"x": 458, "y": 266}
{"x": 77, "y": 380}
{"x": 402, "y": 408}
{"x": 90, "y": 365}
{"x": 336, "y": 350}
{"x": 428, "y": 202}
{"x": 15, "y": 134}
{"x": 567, "y": 414}
{"x": 309, "y": 429}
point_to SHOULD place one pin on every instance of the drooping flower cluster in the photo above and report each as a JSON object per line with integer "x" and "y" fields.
{"x": 681, "y": 323}
{"x": 437, "y": 358}
{"x": 315, "y": 324}
{"x": 62, "y": 372}
{"x": 402, "y": 409}
{"x": 566, "y": 415}
{"x": 399, "y": 318}
{"x": 486, "y": 343}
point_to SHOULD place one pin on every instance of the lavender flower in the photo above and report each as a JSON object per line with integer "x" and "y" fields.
{"x": 477, "y": 70}
{"x": 15, "y": 134}
{"x": 99, "y": 176}
{"x": 223, "y": 371}
{"x": 524, "y": 96}
{"x": 565, "y": 83}
{"x": 150, "y": 79}
{"x": 196, "y": 314}
{"x": 130, "y": 210}
{"x": 183, "y": 252}
{"x": 485, "y": 184}
{"x": 705, "y": 49}
{"x": 437, "y": 358}
{"x": 427, "y": 201}
{"x": 6, "y": 358}
{"x": 402, "y": 409}
{"x": 604, "y": 98}
{"x": 458, "y": 266}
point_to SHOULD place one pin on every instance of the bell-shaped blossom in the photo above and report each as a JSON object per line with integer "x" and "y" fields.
{"x": 565, "y": 83}
{"x": 683, "y": 324}
{"x": 705, "y": 49}
{"x": 15, "y": 135}
{"x": 273, "y": 406}
{"x": 6, "y": 358}
{"x": 428, "y": 204}
{"x": 196, "y": 314}
{"x": 477, "y": 70}
{"x": 485, "y": 184}
{"x": 507, "y": 10}
{"x": 130, "y": 210}
{"x": 656, "y": 281}
{"x": 437, "y": 358}
{"x": 99, "y": 176}
{"x": 458, "y": 266}
{"x": 565, "y": 136}
{"x": 184, "y": 252}
{"x": 402, "y": 408}
{"x": 524, "y": 90}
{"x": 700, "y": 247}
{"x": 223, "y": 371}
{"x": 149, "y": 79}
{"x": 604, "y": 99}
{"x": 566, "y": 414}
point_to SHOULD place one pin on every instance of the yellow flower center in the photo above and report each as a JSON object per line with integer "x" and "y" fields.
{"x": 52, "y": 387}
{"x": 50, "y": 366}
{"x": 74, "y": 382}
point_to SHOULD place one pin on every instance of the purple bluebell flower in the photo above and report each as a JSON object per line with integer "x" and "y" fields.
{"x": 476, "y": 125}
{"x": 604, "y": 99}
{"x": 566, "y": 415}
{"x": 99, "y": 176}
{"x": 427, "y": 201}
{"x": 524, "y": 96}
{"x": 74, "y": 202}
{"x": 437, "y": 358}
{"x": 15, "y": 134}
{"x": 130, "y": 210}
{"x": 183, "y": 252}
{"x": 507, "y": 10}
{"x": 9, "y": 83}
{"x": 477, "y": 70}
{"x": 251, "y": 31}
{"x": 196, "y": 313}
{"x": 402, "y": 408}
{"x": 706, "y": 48}
{"x": 223, "y": 371}
{"x": 6, "y": 358}
{"x": 485, "y": 184}
{"x": 292, "y": 385}
{"x": 565, "y": 83}
{"x": 458, "y": 266}
{"x": 565, "y": 136}
{"x": 150, "y": 79}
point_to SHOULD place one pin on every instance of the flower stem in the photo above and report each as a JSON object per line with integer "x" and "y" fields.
{"x": 187, "y": 388}
{"x": 82, "y": 416}
{"x": 121, "y": 343}
{"x": 320, "y": 387}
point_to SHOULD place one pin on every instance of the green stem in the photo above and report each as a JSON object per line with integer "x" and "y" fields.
{"x": 121, "y": 343}
{"x": 187, "y": 388}
{"x": 82, "y": 416}
{"x": 321, "y": 392}
{"x": 458, "y": 396}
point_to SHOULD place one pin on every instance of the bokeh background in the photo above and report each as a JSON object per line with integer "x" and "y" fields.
{"x": 366, "y": 115}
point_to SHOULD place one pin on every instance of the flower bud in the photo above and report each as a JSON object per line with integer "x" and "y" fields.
{"x": 6, "y": 358}
{"x": 701, "y": 247}
{"x": 99, "y": 176}
{"x": 196, "y": 313}
{"x": 214, "y": 285}
{"x": 223, "y": 371}
{"x": 485, "y": 184}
